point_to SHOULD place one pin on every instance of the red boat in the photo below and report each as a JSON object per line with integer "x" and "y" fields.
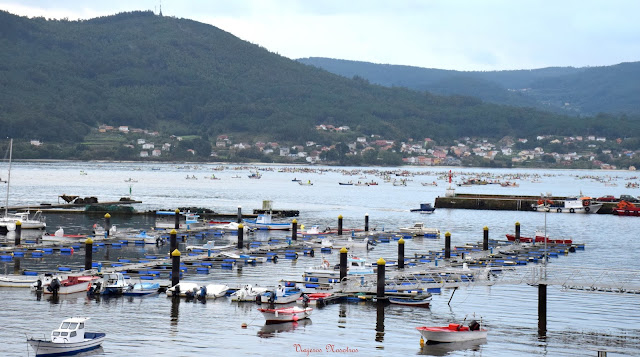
{"x": 539, "y": 238}
{"x": 625, "y": 208}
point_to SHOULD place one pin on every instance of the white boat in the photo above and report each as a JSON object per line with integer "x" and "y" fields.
{"x": 285, "y": 314}
{"x": 570, "y": 205}
{"x": 210, "y": 291}
{"x": 143, "y": 236}
{"x": 111, "y": 284}
{"x": 61, "y": 285}
{"x": 141, "y": 289}
{"x": 263, "y": 222}
{"x": 356, "y": 267}
{"x": 418, "y": 229}
{"x": 418, "y": 301}
{"x": 308, "y": 183}
{"x": 453, "y": 332}
{"x": 281, "y": 295}
{"x": 188, "y": 220}
{"x": 70, "y": 338}
{"x": 248, "y": 293}
{"x": 17, "y": 281}
{"x": 229, "y": 227}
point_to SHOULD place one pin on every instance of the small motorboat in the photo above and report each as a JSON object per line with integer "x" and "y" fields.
{"x": 70, "y": 285}
{"x": 285, "y": 314}
{"x": 314, "y": 298}
{"x": 425, "y": 208}
{"x": 418, "y": 301}
{"x": 142, "y": 289}
{"x": 419, "y": 229}
{"x": 194, "y": 290}
{"x": 70, "y": 338}
{"x": 248, "y": 293}
{"x": 17, "y": 281}
{"x": 282, "y": 295}
{"x": 453, "y": 332}
{"x": 111, "y": 284}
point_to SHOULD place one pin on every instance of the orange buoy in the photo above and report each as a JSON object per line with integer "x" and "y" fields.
{"x": 244, "y": 325}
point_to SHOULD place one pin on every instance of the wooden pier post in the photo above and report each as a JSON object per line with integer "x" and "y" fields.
{"x": 401, "y": 253}
{"x": 517, "y": 232}
{"x": 173, "y": 240}
{"x": 88, "y": 253}
{"x": 239, "y": 214}
{"x": 176, "y": 222}
{"x": 16, "y": 265}
{"x": 240, "y": 235}
{"x": 447, "y": 245}
{"x": 107, "y": 223}
{"x": 381, "y": 280}
{"x": 343, "y": 263}
{"x": 294, "y": 229}
{"x": 175, "y": 267}
{"x": 542, "y": 310}
{"x": 380, "y": 322}
{"x": 340, "y": 225}
{"x": 18, "y": 232}
{"x": 366, "y": 222}
{"x": 485, "y": 240}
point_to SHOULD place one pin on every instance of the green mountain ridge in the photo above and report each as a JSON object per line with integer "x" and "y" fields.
{"x": 62, "y": 79}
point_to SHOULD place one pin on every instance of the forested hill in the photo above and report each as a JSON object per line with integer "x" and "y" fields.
{"x": 577, "y": 91}
{"x": 61, "y": 79}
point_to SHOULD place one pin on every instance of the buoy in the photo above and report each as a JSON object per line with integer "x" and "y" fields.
{"x": 421, "y": 342}
{"x": 244, "y": 325}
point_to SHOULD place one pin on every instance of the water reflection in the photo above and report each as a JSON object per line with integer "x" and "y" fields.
{"x": 380, "y": 321}
{"x": 446, "y": 348}
{"x": 175, "y": 310}
{"x": 272, "y": 330}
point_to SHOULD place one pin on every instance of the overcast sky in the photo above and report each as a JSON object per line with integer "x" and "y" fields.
{"x": 446, "y": 34}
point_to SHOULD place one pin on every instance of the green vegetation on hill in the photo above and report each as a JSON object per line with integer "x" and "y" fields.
{"x": 61, "y": 79}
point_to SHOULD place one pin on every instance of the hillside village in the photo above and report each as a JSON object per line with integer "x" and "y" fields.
{"x": 570, "y": 152}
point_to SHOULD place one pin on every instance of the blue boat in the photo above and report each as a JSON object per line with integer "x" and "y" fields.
{"x": 141, "y": 289}
{"x": 424, "y": 208}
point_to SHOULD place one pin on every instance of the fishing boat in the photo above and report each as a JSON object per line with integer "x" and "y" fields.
{"x": 308, "y": 183}
{"x": 281, "y": 295}
{"x": 248, "y": 292}
{"x": 417, "y": 301}
{"x": 569, "y": 205}
{"x": 538, "y": 238}
{"x": 264, "y": 222}
{"x": 285, "y": 314}
{"x": 625, "y": 208}
{"x": 345, "y": 183}
{"x": 255, "y": 175}
{"x": 418, "y": 229}
{"x": 426, "y": 208}
{"x": 141, "y": 289}
{"x": 70, "y": 338}
{"x": 453, "y": 332}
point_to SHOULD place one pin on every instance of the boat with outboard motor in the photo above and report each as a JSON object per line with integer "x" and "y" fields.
{"x": 248, "y": 293}
{"x": 141, "y": 289}
{"x": 285, "y": 314}
{"x": 326, "y": 273}
{"x": 453, "y": 332}
{"x": 70, "y": 338}
{"x": 418, "y": 229}
{"x": 195, "y": 290}
{"x": 281, "y": 295}
{"x": 264, "y": 222}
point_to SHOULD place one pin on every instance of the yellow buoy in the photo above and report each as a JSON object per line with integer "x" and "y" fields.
{"x": 421, "y": 342}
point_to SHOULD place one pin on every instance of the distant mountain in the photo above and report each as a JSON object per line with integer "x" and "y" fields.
{"x": 59, "y": 80}
{"x": 586, "y": 91}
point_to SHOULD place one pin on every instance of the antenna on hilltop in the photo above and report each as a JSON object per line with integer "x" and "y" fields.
{"x": 160, "y": 8}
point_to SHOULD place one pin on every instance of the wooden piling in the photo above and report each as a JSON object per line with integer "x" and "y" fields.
{"x": 173, "y": 240}
{"x": 18, "y": 232}
{"x": 485, "y": 240}
{"x": 239, "y": 214}
{"x": 517, "y": 232}
{"x": 175, "y": 267}
{"x": 366, "y": 222}
{"x": 343, "y": 263}
{"x": 340, "y": 225}
{"x": 88, "y": 254}
{"x": 401, "y": 253}
{"x": 294, "y": 229}
{"x": 176, "y": 222}
{"x": 240, "y": 235}
{"x": 381, "y": 279}
{"x": 107, "y": 223}
{"x": 447, "y": 245}
{"x": 542, "y": 310}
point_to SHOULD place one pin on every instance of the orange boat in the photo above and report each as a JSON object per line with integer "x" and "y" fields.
{"x": 625, "y": 208}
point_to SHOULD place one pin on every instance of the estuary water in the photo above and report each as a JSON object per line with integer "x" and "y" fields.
{"x": 579, "y": 323}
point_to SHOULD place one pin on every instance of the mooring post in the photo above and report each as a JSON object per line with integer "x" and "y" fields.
{"x": 401, "y": 253}
{"x": 176, "y": 222}
{"x": 18, "y": 232}
{"x": 485, "y": 240}
{"x": 16, "y": 265}
{"x": 343, "y": 263}
{"x": 340, "y": 225}
{"x": 366, "y": 222}
{"x": 542, "y": 310}
{"x": 294, "y": 229}
{"x": 88, "y": 254}
{"x": 107, "y": 224}
{"x": 239, "y": 214}
{"x": 381, "y": 279}
{"x": 240, "y": 235}
{"x": 173, "y": 240}
{"x": 447, "y": 245}
{"x": 175, "y": 267}
{"x": 518, "y": 232}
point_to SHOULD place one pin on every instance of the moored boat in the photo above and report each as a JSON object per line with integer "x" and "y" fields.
{"x": 424, "y": 208}
{"x": 17, "y": 281}
{"x": 417, "y": 301}
{"x": 356, "y": 267}
{"x": 539, "y": 238}
{"x": 247, "y": 293}
{"x": 418, "y": 229}
{"x": 281, "y": 295}
{"x": 264, "y": 222}
{"x": 625, "y": 208}
{"x": 70, "y": 338}
{"x": 453, "y": 332}
{"x": 72, "y": 284}
{"x": 141, "y": 289}
{"x": 285, "y": 314}
{"x": 569, "y": 205}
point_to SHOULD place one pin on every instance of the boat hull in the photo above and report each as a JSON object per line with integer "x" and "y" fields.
{"x": 274, "y": 316}
{"x": 48, "y": 348}
{"x": 411, "y": 302}
{"x": 445, "y": 334}
{"x": 594, "y": 208}
{"x": 17, "y": 281}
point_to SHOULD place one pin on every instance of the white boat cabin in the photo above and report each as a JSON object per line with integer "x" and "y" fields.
{"x": 70, "y": 331}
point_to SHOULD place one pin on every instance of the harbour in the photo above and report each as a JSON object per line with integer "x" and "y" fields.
{"x": 346, "y": 324}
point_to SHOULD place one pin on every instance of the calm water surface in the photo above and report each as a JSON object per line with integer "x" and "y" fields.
{"x": 579, "y": 323}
